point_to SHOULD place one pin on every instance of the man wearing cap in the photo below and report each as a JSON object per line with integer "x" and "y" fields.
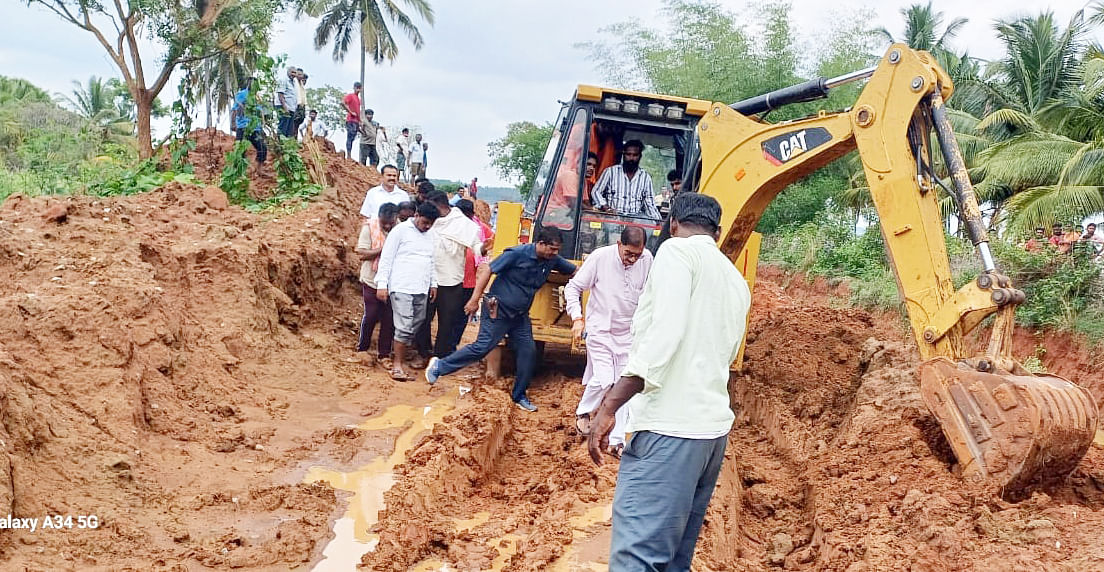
{"x": 352, "y": 118}
{"x": 686, "y": 331}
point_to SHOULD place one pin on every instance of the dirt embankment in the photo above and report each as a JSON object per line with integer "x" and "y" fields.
{"x": 160, "y": 358}
{"x": 834, "y": 464}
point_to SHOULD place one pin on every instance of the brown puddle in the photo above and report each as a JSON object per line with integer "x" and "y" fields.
{"x": 370, "y": 482}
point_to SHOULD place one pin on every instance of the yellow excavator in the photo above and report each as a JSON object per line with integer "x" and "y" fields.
{"x": 1005, "y": 425}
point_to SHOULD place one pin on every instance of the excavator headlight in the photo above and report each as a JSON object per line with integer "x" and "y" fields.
{"x": 611, "y": 104}
{"x": 631, "y": 106}
{"x": 655, "y": 110}
{"x": 674, "y": 112}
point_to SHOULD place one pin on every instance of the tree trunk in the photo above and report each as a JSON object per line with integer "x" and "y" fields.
{"x": 207, "y": 97}
{"x": 363, "y": 87}
{"x": 145, "y": 137}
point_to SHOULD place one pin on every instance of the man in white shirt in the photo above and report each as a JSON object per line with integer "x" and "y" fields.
{"x": 626, "y": 188}
{"x": 387, "y": 192}
{"x": 406, "y": 277}
{"x": 402, "y": 152}
{"x": 615, "y": 276}
{"x": 287, "y": 101}
{"x": 313, "y": 127}
{"x": 417, "y": 158}
{"x": 453, "y": 235}
{"x": 687, "y": 330}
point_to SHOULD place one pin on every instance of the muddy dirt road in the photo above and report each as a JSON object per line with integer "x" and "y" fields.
{"x": 183, "y": 371}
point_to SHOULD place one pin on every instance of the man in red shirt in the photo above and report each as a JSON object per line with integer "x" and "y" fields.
{"x": 1036, "y": 243}
{"x": 473, "y": 190}
{"x": 352, "y": 118}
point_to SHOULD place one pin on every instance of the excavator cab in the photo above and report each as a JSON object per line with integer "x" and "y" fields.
{"x": 593, "y": 127}
{"x": 588, "y": 139}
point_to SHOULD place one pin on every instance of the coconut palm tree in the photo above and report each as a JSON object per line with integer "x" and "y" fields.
{"x": 922, "y": 28}
{"x": 366, "y": 21}
{"x": 96, "y": 103}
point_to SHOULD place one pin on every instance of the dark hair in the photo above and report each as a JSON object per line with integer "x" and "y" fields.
{"x": 698, "y": 210}
{"x": 592, "y": 155}
{"x": 633, "y": 236}
{"x": 674, "y": 175}
{"x": 388, "y": 166}
{"x": 405, "y": 129}
{"x": 425, "y": 187}
{"x": 633, "y": 143}
{"x": 356, "y": 84}
{"x": 388, "y": 210}
{"x": 467, "y": 207}
{"x": 550, "y": 235}
{"x": 436, "y": 197}
{"x": 369, "y": 112}
{"x": 1043, "y": 229}
{"x": 429, "y": 211}
{"x": 314, "y": 111}
{"x": 408, "y": 206}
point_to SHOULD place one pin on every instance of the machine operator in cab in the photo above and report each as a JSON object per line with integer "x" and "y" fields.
{"x": 626, "y": 189}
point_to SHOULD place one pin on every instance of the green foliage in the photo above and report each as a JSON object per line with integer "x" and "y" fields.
{"x": 802, "y": 201}
{"x": 235, "y": 175}
{"x": 328, "y": 100}
{"x": 518, "y": 154}
{"x": 142, "y": 178}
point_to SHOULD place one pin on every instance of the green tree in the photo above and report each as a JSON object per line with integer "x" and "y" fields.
{"x": 518, "y": 154}
{"x": 185, "y": 32}
{"x": 95, "y": 101}
{"x": 922, "y": 28}
{"x": 20, "y": 90}
{"x": 366, "y": 21}
{"x": 328, "y": 101}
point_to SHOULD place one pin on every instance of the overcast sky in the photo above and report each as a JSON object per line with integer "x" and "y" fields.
{"x": 486, "y": 63}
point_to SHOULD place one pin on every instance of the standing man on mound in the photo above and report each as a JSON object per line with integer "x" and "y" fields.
{"x": 521, "y": 271}
{"x": 687, "y": 330}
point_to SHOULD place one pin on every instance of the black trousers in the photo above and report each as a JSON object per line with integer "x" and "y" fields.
{"x": 258, "y": 141}
{"x": 449, "y": 309}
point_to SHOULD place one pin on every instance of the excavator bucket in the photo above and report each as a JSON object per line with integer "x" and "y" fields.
{"x": 1011, "y": 430}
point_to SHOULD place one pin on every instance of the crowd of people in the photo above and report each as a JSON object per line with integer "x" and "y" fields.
{"x": 1079, "y": 241}
{"x": 411, "y": 154}
{"x": 295, "y": 121}
{"x": 660, "y": 333}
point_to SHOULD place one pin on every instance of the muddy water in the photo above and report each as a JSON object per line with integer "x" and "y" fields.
{"x": 368, "y": 483}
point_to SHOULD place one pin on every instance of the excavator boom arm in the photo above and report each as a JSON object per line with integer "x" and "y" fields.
{"x": 1002, "y": 423}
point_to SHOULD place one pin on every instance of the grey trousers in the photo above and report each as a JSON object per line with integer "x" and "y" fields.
{"x": 663, "y": 488}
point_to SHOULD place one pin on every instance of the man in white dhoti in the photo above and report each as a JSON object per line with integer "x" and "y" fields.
{"x": 615, "y": 276}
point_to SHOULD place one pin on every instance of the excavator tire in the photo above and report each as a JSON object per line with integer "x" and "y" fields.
{"x": 1014, "y": 431}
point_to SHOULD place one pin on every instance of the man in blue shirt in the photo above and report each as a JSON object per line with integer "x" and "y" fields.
{"x": 240, "y": 121}
{"x": 521, "y": 271}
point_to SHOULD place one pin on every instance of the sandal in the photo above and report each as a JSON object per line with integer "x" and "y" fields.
{"x": 582, "y": 424}
{"x": 386, "y": 363}
{"x": 400, "y": 375}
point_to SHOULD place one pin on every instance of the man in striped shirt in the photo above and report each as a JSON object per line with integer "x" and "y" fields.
{"x": 626, "y": 188}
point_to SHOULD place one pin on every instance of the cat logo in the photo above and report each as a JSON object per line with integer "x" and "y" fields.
{"x": 782, "y": 148}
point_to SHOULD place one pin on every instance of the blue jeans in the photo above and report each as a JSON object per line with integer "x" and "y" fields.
{"x": 351, "y": 129}
{"x": 663, "y": 488}
{"x": 491, "y": 331}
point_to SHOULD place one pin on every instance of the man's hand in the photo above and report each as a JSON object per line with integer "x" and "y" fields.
{"x": 577, "y": 328}
{"x": 472, "y": 306}
{"x": 381, "y": 294}
{"x": 601, "y": 425}
{"x": 432, "y": 294}
{"x": 488, "y": 245}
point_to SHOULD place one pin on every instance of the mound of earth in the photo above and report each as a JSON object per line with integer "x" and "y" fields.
{"x": 168, "y": 364}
